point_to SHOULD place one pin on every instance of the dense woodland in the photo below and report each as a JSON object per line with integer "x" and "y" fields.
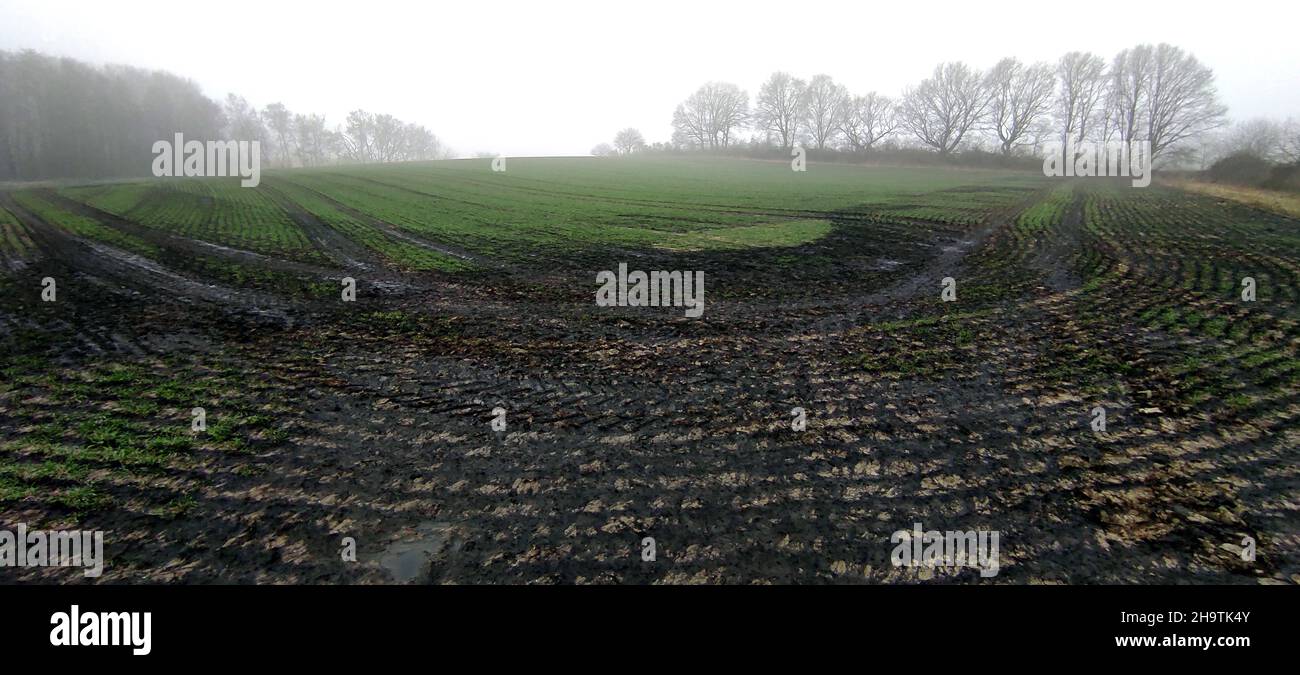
{"x": 61, "y": 118}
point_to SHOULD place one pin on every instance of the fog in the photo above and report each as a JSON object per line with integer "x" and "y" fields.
{"x": 555, "y": 78}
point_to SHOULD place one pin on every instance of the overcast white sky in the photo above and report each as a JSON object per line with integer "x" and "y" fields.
{"x": 547, "y": 77}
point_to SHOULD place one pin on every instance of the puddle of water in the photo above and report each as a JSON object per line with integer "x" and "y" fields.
{"x": 407, "y": 559}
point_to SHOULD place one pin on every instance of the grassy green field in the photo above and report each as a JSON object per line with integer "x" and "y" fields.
{"x": 538, "y": 216}
{"x": 559, "y": 204}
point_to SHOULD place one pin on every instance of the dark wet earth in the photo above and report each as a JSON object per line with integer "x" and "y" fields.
{"x": 622, "y": 424}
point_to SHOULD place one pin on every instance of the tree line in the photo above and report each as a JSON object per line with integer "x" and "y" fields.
{"x": 62, "y": 118}
{"x": 1156, "y": 93}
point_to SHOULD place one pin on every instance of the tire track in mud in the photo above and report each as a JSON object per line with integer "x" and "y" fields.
{"x": 183, "y": 245}
{"x": 126, "y": 273}
{"x": 333, "y": 244}
{"x": 15, "y": 262}
{"x": 378, "y": 280}
{"x": 399, "y": 234}
{"x": 953, "y": 255}
{"x": 894, "y": 300}
{"x": 1057, "y": 251}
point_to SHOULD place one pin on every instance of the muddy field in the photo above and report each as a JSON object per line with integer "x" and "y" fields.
{"x": 374, "y": 419}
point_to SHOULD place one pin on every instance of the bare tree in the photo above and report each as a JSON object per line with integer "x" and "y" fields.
{"x": 1125, "y": 92}
{"x": 418, "y": 143}
{"x": 1182, "y": 101}
{"x": 313, "y": 139}
{"x": 691, "y": 123}
{"x": 943, "y": 108}
{"x": 1290, "y": 150}
{"x": 709, "y": 116}
{"x": 387, "y": 137}
{"x": 1083, "y": 88}
{"x": 729, "y": 112}
{"x": 1163, "y": 95}
{"x": 361, "y": 137}
{"x": 628, "y": 141}
{"x": 243, "y": 121}
{"x": 280, "y": 121}
{"x": 602, "y": 150}
{"x": 1130, "y": 72}
{"x": 358, "y": 136}
{"x": 866, "y": 120}
{"x": 1261, "y": 137}
{"x": 823, "y": 103}
{"x": 779, "y": 107}
{"x": 1019, "y": 96}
